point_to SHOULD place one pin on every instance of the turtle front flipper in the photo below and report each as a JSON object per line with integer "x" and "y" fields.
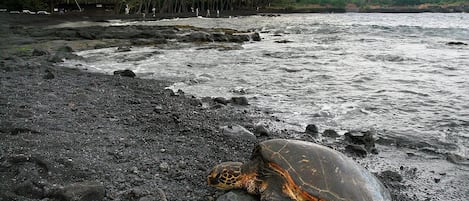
{"x": 273, "y": 192}
{"x": 272, "y": 186}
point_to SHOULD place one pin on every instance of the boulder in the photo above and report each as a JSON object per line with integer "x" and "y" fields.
{"x": 239, "y": 38}
{"x": 255, "y": 36}
{"x": 65, "y": 49}
{"x": 220, "y": 37}
{"x": 221, "y": 100}
{"x": 330, "y": 133}
{"x": 283, "y": 41}
{"x": 239, "y": 100}
{"x": 123, "y": 49}
{"x": 456, "y": 43}
{"x": 390, "y": 176}
{"x": 457, "y": 159}
{"x": 40, "y": 52}
{"x": 312, "y": 130}
{"x": 85, "y": 34}
{"x": 260, "y": 130}
{"x": 199, "y": 36}
{"x": 364, "y": 138}
{"x": 125, "y": 73}
{"x": 355, "y": 149}
{"x": 64, "y": 52}
{"x": 48, "y": 75}
{"x": 82, "y": 191}
{"x": 237, "y": 196}
{"x": 237, "y": 131}
{"x": 29, "y": 189}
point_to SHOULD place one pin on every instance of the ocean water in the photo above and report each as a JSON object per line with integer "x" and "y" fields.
{"x": 391, "y": 73}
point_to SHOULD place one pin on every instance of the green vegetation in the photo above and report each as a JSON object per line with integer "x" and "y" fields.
{"x": 24, "y": 4}
{"x": 24, "y": 49}
{"x": 178, "y": 6}
{"x": 359, "y": 3}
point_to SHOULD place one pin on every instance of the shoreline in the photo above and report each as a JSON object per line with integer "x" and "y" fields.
{"x": 63, "y": 127}
{"x": 77, "y": 16}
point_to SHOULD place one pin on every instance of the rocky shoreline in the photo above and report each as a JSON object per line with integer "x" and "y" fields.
{"x": 67, "y": 134}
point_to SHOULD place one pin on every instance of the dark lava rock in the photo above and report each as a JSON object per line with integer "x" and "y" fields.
{"x": 221, "y": 100}
{"x": 390, "y": 176}
{"x": 330, "y": 133}
{"x": 283, "y": 41}
{"x": 100, "y": 46}
{"x": 49, "y": 75}
{"x": 455, "y": 43}
{"x": 260, "y": 130}
{"x": 125, "y": 73}
{"x": 64, "y": 52}
{"x": 356, "y": 149}
{"x": 457, "y": 159}
{"x": 65, "y": 49}
{"x": 220, "y": 37}
{"x": 82, "y": 191}
{"x": 29, "y": 189}
{"x": 255, "y": 37}
{"x": 364, "y": 138}
{"x": 40, "y": 52}
{"x": 123, "y": 49}
{"x": 238, "y": 131}
{"x": 86, "y": 35}
{"x": 312, "y": 130}
{"x": 199, "y": 36}
{"x": 239, "y": 38}
{"x": 239, "y": 100}
{"x": 237, "y": 196}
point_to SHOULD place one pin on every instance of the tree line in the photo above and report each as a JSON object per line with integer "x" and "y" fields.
{"x": 142, "y": 6}
{"x": 375, "y": 2}
{"x": 180, "y": 6}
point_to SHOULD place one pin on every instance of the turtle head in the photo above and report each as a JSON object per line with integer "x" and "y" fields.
{"x": 226, "y": 176}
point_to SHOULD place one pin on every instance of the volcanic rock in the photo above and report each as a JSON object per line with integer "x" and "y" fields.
{"x": 49, "y": 75}
{"x": 260, "y": 130}
{"x": 456, "y": 43}
{"x": 330, "y": 133}
{"x": 221, "y": 100}
{"x": 364, "y": 138}
{"x": 236, "y": 196}
{"x": 125, "y": 73}
{"x": 239, "y": 100}
{"x": 123, "y": 49}
{"x": 40, "y": 52}
{"x": 312, "y": 130}
{"x": 82, "y": 191}
{"x": 237, "y": 131}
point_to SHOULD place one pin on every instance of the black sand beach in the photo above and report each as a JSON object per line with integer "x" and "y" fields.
{"x": 66, "y": 133}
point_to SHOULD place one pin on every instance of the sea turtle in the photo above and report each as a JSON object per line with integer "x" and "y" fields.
{"x": 281, "y": 170}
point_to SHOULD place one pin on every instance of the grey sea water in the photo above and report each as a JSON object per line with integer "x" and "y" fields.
{"x": 392, "y": 73}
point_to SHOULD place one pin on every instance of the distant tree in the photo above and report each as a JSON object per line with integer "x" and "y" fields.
{"x": 25, "y": 4}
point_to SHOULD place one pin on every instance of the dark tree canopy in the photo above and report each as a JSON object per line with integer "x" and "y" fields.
{"x": 177, "y": 6}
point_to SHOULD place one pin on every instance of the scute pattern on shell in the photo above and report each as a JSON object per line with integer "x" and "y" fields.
{"x": 322, "y": 172}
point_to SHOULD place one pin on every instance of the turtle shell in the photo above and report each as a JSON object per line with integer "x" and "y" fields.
{"x": 321, "y": 172}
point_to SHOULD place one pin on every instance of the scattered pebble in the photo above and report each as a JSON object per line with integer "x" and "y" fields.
{"x": 164, "y": 166}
